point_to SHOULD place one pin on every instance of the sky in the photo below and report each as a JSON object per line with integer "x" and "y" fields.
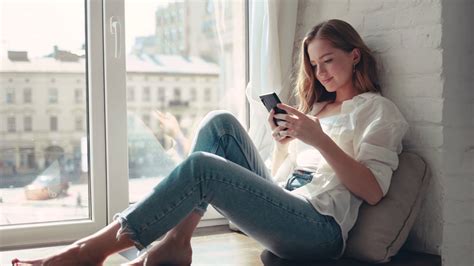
{"x": 37, "y": 25}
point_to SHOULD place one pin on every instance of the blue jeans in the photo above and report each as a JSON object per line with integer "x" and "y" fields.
{"x": 225, "y": 170}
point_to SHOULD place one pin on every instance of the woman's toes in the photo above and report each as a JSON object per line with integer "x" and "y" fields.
{"x": 17, "y": 262}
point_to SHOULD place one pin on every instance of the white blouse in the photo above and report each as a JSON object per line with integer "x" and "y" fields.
{"x": 370, "y": 129}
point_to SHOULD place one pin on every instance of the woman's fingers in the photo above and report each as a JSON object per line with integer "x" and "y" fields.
{"x": 279, "y": 132}
{"x": 270, "y": 119}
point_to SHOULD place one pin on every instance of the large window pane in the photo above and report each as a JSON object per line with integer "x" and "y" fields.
{"x": 184, "y": 59}
{"x": 44, "y": 173}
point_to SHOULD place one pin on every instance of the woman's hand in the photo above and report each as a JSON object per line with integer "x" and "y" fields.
{"x": 301, "y": 126}
{"x": 169, "y": 123}
{"x": 277, "y": 132}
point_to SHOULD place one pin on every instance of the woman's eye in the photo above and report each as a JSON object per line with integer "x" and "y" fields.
{"x": 328, "y": 61}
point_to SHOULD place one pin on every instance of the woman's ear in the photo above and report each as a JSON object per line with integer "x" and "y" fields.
{"x": 356, "y": 55}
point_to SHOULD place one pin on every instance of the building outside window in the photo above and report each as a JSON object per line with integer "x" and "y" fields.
{"x": 78, "y": 96}
{"x": 161, "y": 94}
{"x": 177, "y": 94}
{"x": 27, "y": 124}
{"x": 27, "y": 158}
{"x": 146, "y": 97}
{"x": 193, "y": 94}
{"x": 27, "y": 95}
{"x": 79, "y": 123}
{"x": 53, "y": 95}
{"x": 11, "y": 124}
{"x": 207, "y": 94}
{"x": 10, "y": 96}
{"x": 53, "y": 123}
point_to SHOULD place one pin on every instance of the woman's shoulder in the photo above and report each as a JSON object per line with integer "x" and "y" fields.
{"x": 375, "y": 107}
{"x": 373, "y": 101}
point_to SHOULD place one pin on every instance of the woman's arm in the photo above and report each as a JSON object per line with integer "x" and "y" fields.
{"x": 354, "y": 175}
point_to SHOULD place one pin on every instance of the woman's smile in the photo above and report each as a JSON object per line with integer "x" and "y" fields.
{"x": 325, "y": 81}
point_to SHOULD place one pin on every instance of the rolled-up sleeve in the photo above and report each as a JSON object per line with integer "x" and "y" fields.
{"x": 378, "y": 134}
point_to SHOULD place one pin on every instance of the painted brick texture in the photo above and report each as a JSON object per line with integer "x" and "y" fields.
{"x": 425, "y": 51}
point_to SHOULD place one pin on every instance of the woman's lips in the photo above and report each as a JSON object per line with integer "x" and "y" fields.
{"x": 326, "y": 80}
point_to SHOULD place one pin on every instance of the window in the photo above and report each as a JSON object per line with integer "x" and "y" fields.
{"x": 78, "y": 96}
{"x": 177, "y": 94}
{"x": 27, "y": 95}
{"x": 178, "y": 65}
{"x": 53, "y": 95}
{"x": 146, "y": 94}
{"x": 27, "y": 124}
{"x": 64, "y": 153}
{"x": 11, "y": 124}
{"x": 161, "y": 94}
{"x": 51, "y": 155}
{"x": 10, "y": 96}
{"x": 27, "y": 159}
{"x": 79, "y": 123}
{"x": 53, "y": 123}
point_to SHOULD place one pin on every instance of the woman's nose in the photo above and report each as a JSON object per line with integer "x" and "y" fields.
{"x": 320, "y": 71}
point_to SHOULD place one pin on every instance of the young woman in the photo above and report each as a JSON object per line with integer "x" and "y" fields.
{"x": 338, "y": 149}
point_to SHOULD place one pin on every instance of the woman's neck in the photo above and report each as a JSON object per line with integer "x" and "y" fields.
{"x": 345, "y": 94}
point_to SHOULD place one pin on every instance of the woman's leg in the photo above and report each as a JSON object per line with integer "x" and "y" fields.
{"x": 222, "y": 134}
{"x": 284, "y": 223}
{"x": 238, "y": 163}
{"x": 260, "y": 208}
{"x": 91, "y": 250}
{"x": 219, "y": 133}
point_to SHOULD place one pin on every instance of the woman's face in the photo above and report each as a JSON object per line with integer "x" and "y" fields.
{"x": 332, "y": 66}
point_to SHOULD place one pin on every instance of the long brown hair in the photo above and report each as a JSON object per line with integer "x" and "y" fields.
{"x": 342, "y": 36}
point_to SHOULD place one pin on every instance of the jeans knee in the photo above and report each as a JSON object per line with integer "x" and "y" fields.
{"x": 201, "y": 160}
{"x": 219, "y": 117}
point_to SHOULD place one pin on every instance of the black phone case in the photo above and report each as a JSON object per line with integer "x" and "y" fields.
{"x": 270, "y": 101}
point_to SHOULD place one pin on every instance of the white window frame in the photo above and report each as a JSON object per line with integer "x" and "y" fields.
{"x": 116, "y": 108}
{"x": 108, "y": 159}
{"x": 62, "y": 232}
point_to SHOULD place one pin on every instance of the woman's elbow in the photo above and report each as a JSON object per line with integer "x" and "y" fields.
{"x": 375, "y": 198}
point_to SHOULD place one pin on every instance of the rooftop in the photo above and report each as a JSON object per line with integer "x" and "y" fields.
{"x": 168, "y": 64}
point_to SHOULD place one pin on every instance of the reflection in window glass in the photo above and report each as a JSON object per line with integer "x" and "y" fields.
{"x": 193, "y": 54}
{"x": 43, "y": 176}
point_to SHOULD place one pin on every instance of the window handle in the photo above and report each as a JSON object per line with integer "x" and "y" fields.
{"x": 115, "y": 30}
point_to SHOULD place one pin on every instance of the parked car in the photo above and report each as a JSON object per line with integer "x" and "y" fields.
{"x": 47, "y": 185}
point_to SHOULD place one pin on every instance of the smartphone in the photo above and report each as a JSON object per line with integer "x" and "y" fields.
{"x": 270, "y": 100}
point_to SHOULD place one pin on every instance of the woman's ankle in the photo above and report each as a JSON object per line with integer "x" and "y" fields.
{"x": 91, "y": 253}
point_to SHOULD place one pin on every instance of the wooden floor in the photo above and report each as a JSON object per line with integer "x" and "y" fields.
{"x": 219, "y": 246}
{"x": 211, "y": 246}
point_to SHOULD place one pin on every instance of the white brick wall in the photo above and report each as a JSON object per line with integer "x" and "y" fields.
{"x": 425, "y": 48}
{"x": 458, "y": 121}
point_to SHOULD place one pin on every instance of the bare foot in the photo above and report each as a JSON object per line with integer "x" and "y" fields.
{"x": 167, "y": 251}
{"x": 73, "y": 255}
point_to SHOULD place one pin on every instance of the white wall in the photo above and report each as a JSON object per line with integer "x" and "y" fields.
{"x": 426, "y": 53}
